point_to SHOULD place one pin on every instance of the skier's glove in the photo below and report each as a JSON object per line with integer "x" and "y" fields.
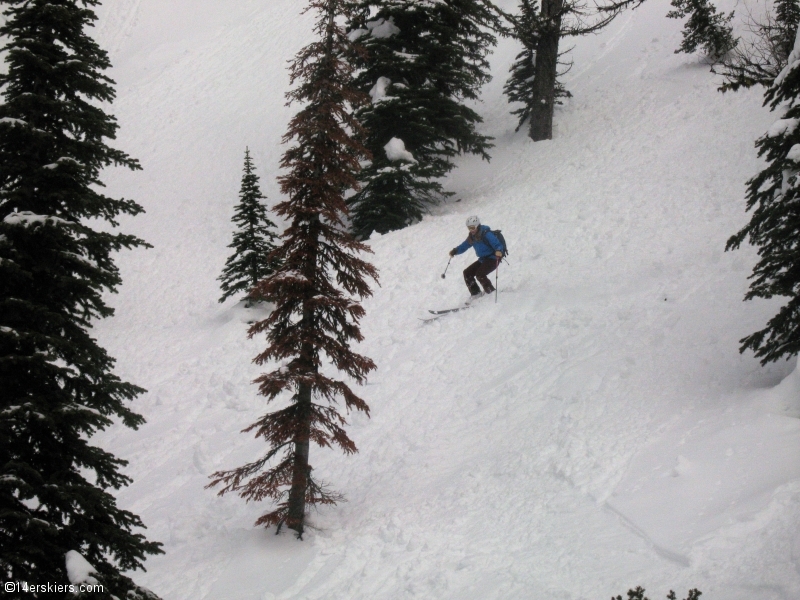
{"x": 453, "y": 252}
{"x": 498, "y": 254}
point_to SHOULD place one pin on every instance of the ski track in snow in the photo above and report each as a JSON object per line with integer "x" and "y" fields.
{"x": 594, "y": 430}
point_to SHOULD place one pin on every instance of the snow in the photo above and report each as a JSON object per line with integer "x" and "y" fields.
{"x": 794, "y": 153}
{"x": 406, "y": 55}
{"x": 357, "y": 34}
{"x": 78, "y": 569}
{"x": 26, "y": 218}
{"x": 396, "y": 151}
{"x": 290, "y": 276}
{"x": 594, "y": 430}
{"x": 782, "y": 127}
{"x": 73, "y": 407}
{"x": 378, "y": 91}
{"x": 383, "y": 28}
{"x": 20, "y": 123}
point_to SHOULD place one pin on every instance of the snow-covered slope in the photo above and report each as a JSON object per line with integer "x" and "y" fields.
{"x": 593, "y": 430}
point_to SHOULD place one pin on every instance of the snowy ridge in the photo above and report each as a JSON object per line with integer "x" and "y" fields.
{"x": 593, "y": 430}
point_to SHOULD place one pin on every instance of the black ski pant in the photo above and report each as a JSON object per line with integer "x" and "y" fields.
{"x": 479, "y": 270}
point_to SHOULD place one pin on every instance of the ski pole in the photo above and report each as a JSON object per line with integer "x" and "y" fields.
{"x": 447, "y": 267}
{"x": 496, "y": 280}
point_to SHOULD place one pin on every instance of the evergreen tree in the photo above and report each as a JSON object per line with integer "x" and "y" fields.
{"x": 316, "y": 317}
{"x": 705, "y": 28}
{"x": 774, "y": 228}
{"x": 57, "y": 383}
{"x": 527, "y": 27}
{"x": 252, "y": 243}
{"x": 423, "y": 60}
{"x": 787, "y": 19}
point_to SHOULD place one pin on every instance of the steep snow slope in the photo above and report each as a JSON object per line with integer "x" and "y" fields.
{"x": 593, "y": 430}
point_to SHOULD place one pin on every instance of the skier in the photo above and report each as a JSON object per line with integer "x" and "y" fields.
{"x": 489, "y": 251}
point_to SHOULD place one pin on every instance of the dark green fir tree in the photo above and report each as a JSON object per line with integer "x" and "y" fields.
{"x": 253, "y": 240}
{"x": 423, "y": 62}
{"x": 782, "y": 35}
{"x": 774, "y": 228}
{"x": 527, "y": 27}
{"x": 705, "y": 29}
{"x": 57, "y": 386}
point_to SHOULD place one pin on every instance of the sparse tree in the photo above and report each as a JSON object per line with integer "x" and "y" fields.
{"x": 316, "y": 317}
{"x": 557, "y": 19}
{"x": 638, "y": 594}
{"x": 705, "y": 28}
{"x": 253, "y": 241}
{"x": 526, "y": 27}
{"x": 57, "y": 386}
{"x": 763, "y": 53}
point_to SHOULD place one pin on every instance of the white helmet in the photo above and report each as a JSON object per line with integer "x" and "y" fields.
{"x": 473, "y": 222}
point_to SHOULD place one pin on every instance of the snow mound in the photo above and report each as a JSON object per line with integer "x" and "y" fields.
{"x": 396, "y": 151}
{"x": 79, "y": 570}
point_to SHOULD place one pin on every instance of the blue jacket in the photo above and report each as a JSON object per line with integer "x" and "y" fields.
{"x": 483, "y": 241}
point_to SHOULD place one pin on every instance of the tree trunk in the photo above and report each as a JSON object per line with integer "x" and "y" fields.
{"x": 301, "y": 471}
{"x": 544, "y": 83}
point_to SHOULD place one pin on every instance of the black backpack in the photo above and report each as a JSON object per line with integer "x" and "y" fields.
{"x": 499, "y": 235}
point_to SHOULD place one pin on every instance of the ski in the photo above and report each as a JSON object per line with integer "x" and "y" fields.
{"x": 449, "y": 310}
{"x": 470, "y": 304}
{"x": 438, "y": 314}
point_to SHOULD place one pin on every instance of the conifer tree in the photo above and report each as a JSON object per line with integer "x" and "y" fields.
{"x": 57, "y": 387}
{"x": 316, "y": 317}
{"x": 706, "y": 28}
{"x": 784, "y": 32}
{"x": 423, "y": 60}
{"x": 527, "y": 27}
{"x": 774, "y": 228}
{"x": 253, "y": 241}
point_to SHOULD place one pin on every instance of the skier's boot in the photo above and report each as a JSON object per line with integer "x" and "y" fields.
{"x": 474, "y": 290}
